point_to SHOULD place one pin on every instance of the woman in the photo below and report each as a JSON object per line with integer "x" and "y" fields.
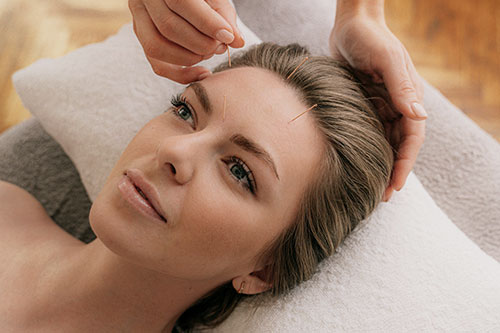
{"x": 219, "y": 198}
{"x": 176, "y": 35}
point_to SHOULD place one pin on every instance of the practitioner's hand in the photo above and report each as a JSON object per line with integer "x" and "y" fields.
{"x": 179, "y": 33}
{"x": 363, "y": 39}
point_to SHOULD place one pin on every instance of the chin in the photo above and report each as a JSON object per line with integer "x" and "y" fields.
{"x": 119, "y": 233}
{"x": 109, "y": 226}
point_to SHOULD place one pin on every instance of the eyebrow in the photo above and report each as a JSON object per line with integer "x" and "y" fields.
{"x": 254, "y": 148}
{"x": 238, "y": 139}
{"x": 201, "y": 94}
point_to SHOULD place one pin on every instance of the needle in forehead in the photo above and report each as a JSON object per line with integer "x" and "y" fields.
{"x": 312, "y": 107}
{"x": 224, "y": 109}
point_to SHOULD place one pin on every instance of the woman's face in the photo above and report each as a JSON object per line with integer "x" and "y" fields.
{"x": 219, "y": 215}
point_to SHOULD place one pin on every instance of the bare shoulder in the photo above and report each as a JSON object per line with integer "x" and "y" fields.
{"x": 23, "y": 219}
{"x": 16, "y": 203}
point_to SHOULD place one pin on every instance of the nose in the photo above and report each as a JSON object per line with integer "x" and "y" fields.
{"x": 178, "y": 155}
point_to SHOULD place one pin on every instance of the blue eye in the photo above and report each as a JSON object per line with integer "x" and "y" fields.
{"x": 182, "y": 110}
{"x": 242, "y": 174}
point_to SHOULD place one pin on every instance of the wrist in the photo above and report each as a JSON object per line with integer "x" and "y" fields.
{"x": 367, "y": 9}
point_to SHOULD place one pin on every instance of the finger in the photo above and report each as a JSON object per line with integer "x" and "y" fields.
{"x": 224, "y": 8}
{"x": 400, "y": 86}
{"x": 396, "y": 135}
{"x": 334, "y": 51}
{"x": 183, "y": 75}
{"x": 335, "y": 54}
{"x": 177, "y": 30}
{"x": 155, "y": 45}
{"x": 388, "y": 193}
{"x": 411, "y": 142}
{"x": 203, "y": 18}
{"x": 415, "y": 78}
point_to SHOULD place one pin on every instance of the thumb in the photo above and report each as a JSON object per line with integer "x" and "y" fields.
{"x": 332, "y": 45}
{"x": 227, "y": 11}
{"x": 402, "y": 89}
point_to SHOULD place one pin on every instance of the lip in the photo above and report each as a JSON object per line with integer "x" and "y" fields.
{"x": 137, "y": 178}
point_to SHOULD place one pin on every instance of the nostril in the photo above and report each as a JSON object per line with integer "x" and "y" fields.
{"x": 172, "y": 168}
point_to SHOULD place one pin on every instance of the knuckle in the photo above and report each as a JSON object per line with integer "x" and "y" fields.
{"x": 217, "y": 5}
{"x": 406, "y": 87}
{"x": 166, "y": 25}
{"x": 205, "y": 25}
{"x": 152, "y": 49}
{"x": 417, "y": 139}
{"x": 394, "y": 53}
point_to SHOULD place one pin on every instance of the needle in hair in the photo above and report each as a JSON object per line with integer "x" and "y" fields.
{"x": 224, "y": 109}
{"x": 312, "y": 107}
{"x": 303, "y": 61}
{"x": 228, "y": 55}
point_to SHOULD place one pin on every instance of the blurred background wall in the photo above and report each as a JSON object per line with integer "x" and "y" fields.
{"x": 455, "y": 45}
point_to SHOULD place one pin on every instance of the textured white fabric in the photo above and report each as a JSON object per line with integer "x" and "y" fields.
{"x": 405, "y": 268}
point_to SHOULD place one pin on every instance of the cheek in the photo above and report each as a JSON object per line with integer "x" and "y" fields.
{"x": 224, "y": 229}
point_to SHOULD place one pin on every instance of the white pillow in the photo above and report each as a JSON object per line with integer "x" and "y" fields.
{"x": 406, "y": 267}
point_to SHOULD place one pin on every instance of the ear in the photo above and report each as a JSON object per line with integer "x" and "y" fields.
{"x": 253, "y": 283}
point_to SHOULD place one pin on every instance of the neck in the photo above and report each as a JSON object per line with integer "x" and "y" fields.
{"x": 90, "y": 284}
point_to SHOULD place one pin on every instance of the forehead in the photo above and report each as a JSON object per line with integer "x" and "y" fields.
{"x": 260, "y": 105}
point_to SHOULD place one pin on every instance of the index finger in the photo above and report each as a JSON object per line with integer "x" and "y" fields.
{"x": 413, "y": 132}
{"x": 204, "y": 18}
{"x": 398, "y": 79}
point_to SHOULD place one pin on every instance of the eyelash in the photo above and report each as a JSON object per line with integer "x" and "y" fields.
{"x": 179, "y": 101}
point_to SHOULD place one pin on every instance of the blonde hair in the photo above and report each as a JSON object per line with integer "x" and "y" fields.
{"x": 355, "y": 171}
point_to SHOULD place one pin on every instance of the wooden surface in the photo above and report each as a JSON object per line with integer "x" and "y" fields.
{"x": 455, "y": 45}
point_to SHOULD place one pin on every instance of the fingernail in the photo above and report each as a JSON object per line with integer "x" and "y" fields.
{"x": 396, "y": 188}
{"x": 224, "y": 36}
{"x": 419, "y": 111}
{"x": 220, "y": 49}
{"x": 204, "y": 75}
